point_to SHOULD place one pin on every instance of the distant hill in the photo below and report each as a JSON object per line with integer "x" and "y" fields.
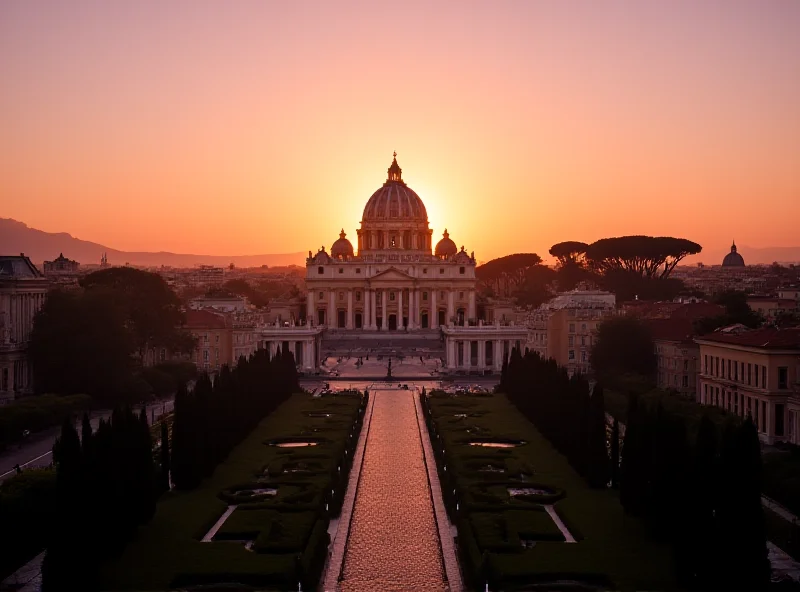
{"x": 16, "y": 237}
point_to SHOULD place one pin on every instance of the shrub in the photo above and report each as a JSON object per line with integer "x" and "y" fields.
{"x": 37, "y": 413}
{"x": 162, "y": 383}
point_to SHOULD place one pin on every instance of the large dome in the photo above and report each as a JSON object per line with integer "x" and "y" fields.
{"x": 733, "y": 259}
{"x": 394, "y": 201}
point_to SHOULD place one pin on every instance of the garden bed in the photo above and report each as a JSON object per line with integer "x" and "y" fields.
{"x": 505, "y": 535}
{"x": 277, "y": 535}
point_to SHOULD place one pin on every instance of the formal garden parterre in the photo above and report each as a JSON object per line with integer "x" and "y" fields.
{"x": 284, "y": 496}
{"x": 499, "y": 475}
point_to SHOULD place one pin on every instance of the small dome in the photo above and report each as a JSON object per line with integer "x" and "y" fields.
{"x": 446, "y": 247}
{"x": 342, "y": 248}
{"x": 733, "y": 259}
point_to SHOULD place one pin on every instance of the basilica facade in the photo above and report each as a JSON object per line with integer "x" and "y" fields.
{"x": 397, "y": 280}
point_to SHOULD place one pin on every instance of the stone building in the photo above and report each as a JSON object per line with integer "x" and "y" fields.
{"x": 23, "y": 289}
{"x": 60, "y": 265}
{"x": 397, "y": 280}
{"x": 755, "y": 373}
{"x": 564, "y": 328}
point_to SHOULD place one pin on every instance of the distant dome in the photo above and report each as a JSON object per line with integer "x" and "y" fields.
{"x": 733, "y": 259}
{"x": 395, "y": 200}
{"x": 342, "y": 248}
{"x": 446, "y": 247}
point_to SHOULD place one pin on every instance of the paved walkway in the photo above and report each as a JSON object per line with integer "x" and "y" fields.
{"x": 27, "y": 578}
{"x": 778, "y": 509}
{"x": 339, "y": 537}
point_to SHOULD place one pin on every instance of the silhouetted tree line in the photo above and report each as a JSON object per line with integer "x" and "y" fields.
{"x": 105, "y": 489}
{"x": 213, "y": 418}
{"x": 565, "y": 410}
{"x": 702, "y": 496}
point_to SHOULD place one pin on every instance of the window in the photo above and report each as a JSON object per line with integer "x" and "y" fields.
{"x": 391, "y": 296}
{"x": 424, "y": 270}
{"x": 686, "y": 365}
{"x": 742, "y": 371}
{"x": 216, "y": 353}
{"x": 341, "y": 295}
{"x": 583, "y": 326}
{"x": 322, "y": 296}
{"x": 205, "y": 355}
{"x": 441, "y": 295}
{"x": 685, "y": 381}
{"x": 572, "y": 327}
{"x": 358, "y": 270}
{"x": 461, "y": 270}
{"x": 783, "y": 377}
{"x": 425, "y": 296}
{"x": 163, "y": 355}
{"x": 216, "y": 338}
{"x": 705, "y": 363}
{"x": 729, "y": 369}
{"x": 749, "y": 373}
{"x": 441, "y": 270}
{"x": 341, "y": 270}
{"x": 583, "y": 340}
{"x": 716, "y": 362}
{"x": 736, "y": 371}
{"x": 572, "y": 354}
{"x": 461, "y": 295}
{"x": 320, "y": 270}
{"x": 570, "y": 340}
{"x": 205, "y": 338}
{"x": 763, "y": 377}
{"x": 756, "y": 373}
{"x": 358, "y": 296}
{"x": 583, "y": 356}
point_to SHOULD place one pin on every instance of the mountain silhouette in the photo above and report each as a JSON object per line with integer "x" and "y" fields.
{"x": 17, "y": 237}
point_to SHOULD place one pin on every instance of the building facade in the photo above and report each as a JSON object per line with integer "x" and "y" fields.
{"x": 60, "y": 265}
{"x": 396, "y": 281}
{"x": 564, "y": 328}
{"x": 754, "y": 373}
{"x": 23, "y": 289}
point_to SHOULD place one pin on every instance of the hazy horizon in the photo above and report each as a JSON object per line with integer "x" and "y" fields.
{"x": 252, "y": 127}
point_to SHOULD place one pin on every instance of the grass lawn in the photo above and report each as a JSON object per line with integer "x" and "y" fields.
{"x": 284, "y": 527}
{"x": 612, "y": 548}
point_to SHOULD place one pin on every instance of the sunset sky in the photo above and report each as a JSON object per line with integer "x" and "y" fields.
{"x": 263, "y": 127}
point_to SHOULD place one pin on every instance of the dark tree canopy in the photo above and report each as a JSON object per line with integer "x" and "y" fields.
{"x": 648, "y": 256}
{"x": 536, "y": 288}
{"x": 505, "y": 275}
{"x": 569, "y": 252}
{"x": 736, "y": 311}
{"x": 153, "y": 311}
{"x": 623, "y": 346}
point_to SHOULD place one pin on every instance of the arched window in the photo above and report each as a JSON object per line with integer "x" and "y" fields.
{"x": 320, "y": 270}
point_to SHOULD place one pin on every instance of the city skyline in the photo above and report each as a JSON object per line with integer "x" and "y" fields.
{"x": 260, "y": 128}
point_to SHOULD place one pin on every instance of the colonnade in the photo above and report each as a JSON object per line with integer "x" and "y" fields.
{"x": 459, "y": 353}
{"x": 16, "y": 315}
{"x": 412, "y": 318}
{"x": 309, "y": 355}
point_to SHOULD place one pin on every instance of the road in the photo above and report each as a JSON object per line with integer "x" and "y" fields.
{"x": 37, "y": 450}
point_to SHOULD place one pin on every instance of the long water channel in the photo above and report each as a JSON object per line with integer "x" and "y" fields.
{"x": 393, "y": 543}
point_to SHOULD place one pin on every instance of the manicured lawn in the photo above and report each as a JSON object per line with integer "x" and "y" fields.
{"x": 291, "y": 524}
{"x": 612, "y": 548}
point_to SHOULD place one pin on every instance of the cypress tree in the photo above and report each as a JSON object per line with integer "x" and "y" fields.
{"x": 86, "y": 435}
{"x": 702, "y": 544}
{"x": 615, "y": 454}
{"x": 164, "y": 474}
{"x": 597, "y": 452}
{"x": 630, "y": 492}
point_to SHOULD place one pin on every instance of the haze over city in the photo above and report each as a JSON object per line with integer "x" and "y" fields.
{"x": 253, "y": 127}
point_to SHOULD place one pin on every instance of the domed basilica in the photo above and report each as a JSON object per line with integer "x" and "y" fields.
{"x": 397, "y": 280}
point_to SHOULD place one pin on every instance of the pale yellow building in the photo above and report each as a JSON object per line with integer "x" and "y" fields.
{"x": 755, "y": 373}
{"x": 564, "y": 328}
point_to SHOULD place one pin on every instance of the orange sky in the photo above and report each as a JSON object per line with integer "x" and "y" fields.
{"x": 258, "y": 127}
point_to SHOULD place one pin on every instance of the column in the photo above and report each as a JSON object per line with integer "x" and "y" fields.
{"x": 497, "y": 354}
{"x": 418, "y": 308}
{"x": 467, "y": 354}
{"x": 293, "y": 349}
{"x": 481, "y": 354}
{"x": 332, "y": 309}
{"x": 434, "y": 311}
{"x": 349, "y": 320}
{"x": 400, "y": 309}
{"x": 310, "y": 308}
{"x": 365, "y": 316}
{"x": 451, "y": 353}
{"x": 384, "y": 324}
{"x": 373, "y": 310}
{"x": 472, "y": 314}
{"x": 450, "y": 306}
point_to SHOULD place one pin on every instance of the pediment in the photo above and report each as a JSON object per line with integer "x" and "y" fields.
{"x": 391, "y": 275}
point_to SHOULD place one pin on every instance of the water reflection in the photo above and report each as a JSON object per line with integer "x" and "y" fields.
{"x": 393, "y": 543}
